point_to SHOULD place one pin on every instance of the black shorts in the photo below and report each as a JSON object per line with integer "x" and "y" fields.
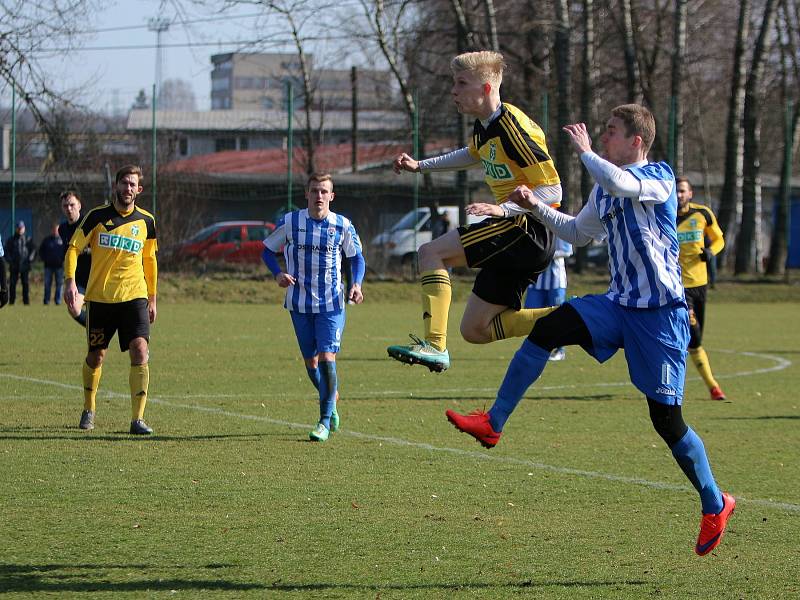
{"x": 696, "y": 301}
{"x": 131, "y": 319}
{"x": 510, "y": 253}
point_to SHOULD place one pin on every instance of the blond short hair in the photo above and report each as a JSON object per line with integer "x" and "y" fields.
{"x": 319, "y": 178}
{"x": 486, "y": 63}
{"x": 638, "y": 121}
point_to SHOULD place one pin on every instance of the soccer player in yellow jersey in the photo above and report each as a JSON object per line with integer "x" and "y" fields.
{"x": 121, "y": 293}
{"x": 510, "y": 248}
{"x": 696, "y": 224}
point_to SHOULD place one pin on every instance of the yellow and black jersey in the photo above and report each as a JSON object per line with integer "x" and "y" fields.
{"x": 513, "y": 152}
{"x": 694, "y": 226}
{"x": 123, "y": 254}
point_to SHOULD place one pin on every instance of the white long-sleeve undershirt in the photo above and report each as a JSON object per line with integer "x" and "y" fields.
{"x": 452, "y": 161}
{"x": 614, "y": 180}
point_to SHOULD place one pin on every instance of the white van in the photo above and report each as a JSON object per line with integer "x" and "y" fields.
{"x": 397, "y": 242}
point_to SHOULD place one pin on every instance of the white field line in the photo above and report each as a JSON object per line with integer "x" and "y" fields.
{"x": 477, "y": 455}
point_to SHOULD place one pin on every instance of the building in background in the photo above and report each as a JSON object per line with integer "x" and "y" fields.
{"x": 259, "y": 81}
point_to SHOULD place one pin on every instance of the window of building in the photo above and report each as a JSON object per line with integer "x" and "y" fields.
{"x": 223, "y": 144}
{"x": 244, "y": 143}
{"x": 219, "y": 84}
{"x": 183, "y": 147}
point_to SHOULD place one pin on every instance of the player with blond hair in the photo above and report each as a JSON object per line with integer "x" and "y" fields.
{"x": 511, "y": 247}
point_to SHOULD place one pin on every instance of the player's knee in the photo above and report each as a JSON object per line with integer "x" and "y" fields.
{"x": 95, "y": 358}
{"x": 475, "y": 334}
{"x": 139, "y": 351}
{"x": 667, "y": 421}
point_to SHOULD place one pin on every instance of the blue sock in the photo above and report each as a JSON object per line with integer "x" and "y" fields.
{"x": 327, "y": 391}
{"x": 313, "y": 375}
{"x": 525, "y": 368}
{"x": 690, "y": 454}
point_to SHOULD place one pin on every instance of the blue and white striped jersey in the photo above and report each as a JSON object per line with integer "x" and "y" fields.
{"x": 642, "y": 238}
{"x": 313, "y": 252}
{"x": 554, "y": 277}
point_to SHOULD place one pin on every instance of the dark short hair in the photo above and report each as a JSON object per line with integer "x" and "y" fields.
{"x": 128, "y": 170}
{"x": 67, "y": 193}
{"x": 683, "y": 180}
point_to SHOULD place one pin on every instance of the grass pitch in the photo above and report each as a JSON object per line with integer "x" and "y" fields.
{"x": 228, "y": 499}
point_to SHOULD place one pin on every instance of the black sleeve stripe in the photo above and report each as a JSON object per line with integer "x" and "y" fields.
{"x": 521, "y": 137}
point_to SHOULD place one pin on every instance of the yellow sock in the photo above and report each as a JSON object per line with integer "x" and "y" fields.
{"x": 91, "y": 380}
{"x": 516, "y": 323}
{"x": 139, "y": 379}
{"x": 700, "y": 360}
{"x": 436, "y": 294}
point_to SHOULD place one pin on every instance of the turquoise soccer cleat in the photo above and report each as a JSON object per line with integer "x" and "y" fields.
{"x": 421, "y": 353}
{"x": 320, "y": 433}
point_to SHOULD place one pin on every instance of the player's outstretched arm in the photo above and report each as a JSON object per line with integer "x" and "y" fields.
{"x": 405, "y": 163}
{"x": 579, "y": 136}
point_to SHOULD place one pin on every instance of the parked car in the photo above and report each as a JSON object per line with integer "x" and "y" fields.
{"x": 227, "y": 241}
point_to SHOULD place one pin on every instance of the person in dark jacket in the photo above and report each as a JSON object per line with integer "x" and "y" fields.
{"x": 51, "y": 251}
{"x": 71, "y": 207}
{"x": 20, "y": 253}
{"x": 3, "y": 282}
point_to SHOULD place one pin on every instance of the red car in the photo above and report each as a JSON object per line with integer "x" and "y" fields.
{"x": 228, "y": 241}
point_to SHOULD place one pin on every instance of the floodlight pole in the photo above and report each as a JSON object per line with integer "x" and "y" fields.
{"x": 159, "y": 25}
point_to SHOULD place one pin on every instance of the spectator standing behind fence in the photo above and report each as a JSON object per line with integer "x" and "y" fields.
{"x": 3, "y": 282}
{"x": 71, "y": 207}
{"x": 51, "y": 251}
{"x": 550, "y": 288}
{"x": 20, "y": 253}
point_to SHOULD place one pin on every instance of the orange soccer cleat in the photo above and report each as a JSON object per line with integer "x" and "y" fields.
{"x": 713, "y": 526}
{"x": 717, "y": 393}
{"x": 475, "y": 424}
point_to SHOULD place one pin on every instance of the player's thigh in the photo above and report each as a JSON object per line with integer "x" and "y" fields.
{"x": 518, "y": 242}
{"x": 101, "y": 324}
{"x": 328, "y": 329}
{"x": 502, "y": 287}
{"x": 133, "y": 322}
{"x": 446, "y": 248}
{"x": 655, "y": 344}
{"x": 478, "y": 314}
{"x": 303, "y": 324}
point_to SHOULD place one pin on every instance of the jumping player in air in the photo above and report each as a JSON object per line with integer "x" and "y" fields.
{"x": 512, "y": 247}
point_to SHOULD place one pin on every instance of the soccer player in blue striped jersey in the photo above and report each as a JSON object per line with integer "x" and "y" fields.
{"x": 633, "y": 206}
{"x": 313, "y": 241}
{"x": 550, "y": 288}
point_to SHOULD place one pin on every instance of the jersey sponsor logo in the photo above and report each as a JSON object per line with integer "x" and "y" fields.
{"x": 119, "y": 242}
{"x": 316, "y": 248}
{"x": 492, "y": 151}
{"x": 686, "y": 237}
{"x": 135, "y": 230}
{"x": 612, "y": 214}
{"x": 665, "y": 391}
{"x": 496, "y": 170}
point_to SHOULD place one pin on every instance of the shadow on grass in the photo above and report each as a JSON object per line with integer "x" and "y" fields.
{"x": 761, "y": 418}
{"x": 73, "y": 433}
{"x": 55, "y": 578}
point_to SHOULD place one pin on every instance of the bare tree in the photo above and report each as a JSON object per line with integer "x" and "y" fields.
{"x": 631, "y": 54}
{"x": 562, "y": 51}
{"x": 747, "y": 245}
{"x": 730, "y": 197}
{"x": 678, "y": 60}
{"x": 788, "y": 32}
{"x": 176, "y": 94}
{"x": 29, "y": 32}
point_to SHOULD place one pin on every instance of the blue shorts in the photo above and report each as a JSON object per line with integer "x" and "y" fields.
{"x": 544, "y": 298}
{"x": 654, "y": 339}
{"x": 318, "y": 332}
